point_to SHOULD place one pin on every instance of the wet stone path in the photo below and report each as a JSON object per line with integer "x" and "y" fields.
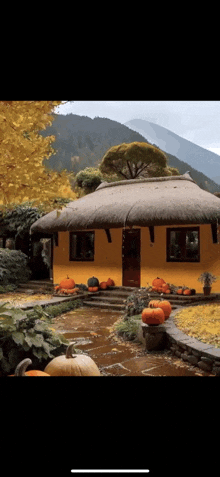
{"x": 92, "y": 331}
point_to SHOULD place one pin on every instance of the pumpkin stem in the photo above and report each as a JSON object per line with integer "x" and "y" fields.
{"x": 22, "y": 366}
{"x": 70, "y": 350}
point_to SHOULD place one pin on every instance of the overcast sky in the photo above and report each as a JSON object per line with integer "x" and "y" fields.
{"x": 197, "y": 121}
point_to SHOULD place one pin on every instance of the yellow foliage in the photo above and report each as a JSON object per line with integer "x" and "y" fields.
{"x": 22, "y": 151}
{"x": 201, "y": 322}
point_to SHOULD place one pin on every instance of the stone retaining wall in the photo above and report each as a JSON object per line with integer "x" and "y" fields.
{"x": 197, "y": 353}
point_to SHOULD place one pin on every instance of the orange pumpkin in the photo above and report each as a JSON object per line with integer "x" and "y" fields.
{"x": 67, "y": 283}
{"x": 158, "y": 282}
{"x": 93, "y": 289}
{"x": 153, "y": 316}
{"x": 164, "y": 287}
{"x": 163, "y": 304}
{"x": 154, "y": 303}
{"x": 168, "y": 290}
{"x": 21, "y": 369}
{"x": 187, "y": 291}
{"x": 180, "y": 291}
{"x": 110, "y": 282}
{"x": 154, "y": 289}
{"x": 57, "y": 287}
{"x": 103, "y": 285}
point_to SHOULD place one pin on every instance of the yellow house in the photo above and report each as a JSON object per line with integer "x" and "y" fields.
{"x": 136, "y": 230}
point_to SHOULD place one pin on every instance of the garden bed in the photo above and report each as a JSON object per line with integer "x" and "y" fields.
{"x": 201, "y": 322}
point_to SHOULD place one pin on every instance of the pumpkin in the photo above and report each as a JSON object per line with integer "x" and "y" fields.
{"x": 154, "y": 289}
{"x": 158, "y": 282}
{"x": 163, "y": 304}
{"x": 57, "y": 287}
{"x": 153, "y": 316}
{"x": 103, "y": 285}
{"x": 67, "y": 283}
{"x": 193, "y": 291}
{"x": 110, "y": 282}
{"x": 93, "y": 289}
{"x": 21, "y": 369}
{"x": 187, "y": 291}
{"x": 72, "y": 365}
{"x": 164, "y": 287}
{"x": 168, "y": 290}
{"x": 93, "y": 282}
{"x": 154, "y": 303}
{"x": 180, "y": 291}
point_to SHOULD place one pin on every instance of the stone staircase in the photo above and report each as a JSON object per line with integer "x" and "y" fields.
{"x": 36, "y": 286}
{"x": 114, "y": 298}
{"x": 111, "y": 299}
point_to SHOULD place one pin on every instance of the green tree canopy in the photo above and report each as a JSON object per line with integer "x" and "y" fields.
{"x": 135, "y": 160}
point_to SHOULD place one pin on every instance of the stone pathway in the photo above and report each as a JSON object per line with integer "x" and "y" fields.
{"x": 92, "y": 331}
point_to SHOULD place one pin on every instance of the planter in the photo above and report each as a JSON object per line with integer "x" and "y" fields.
{"x": 207, "y": 290}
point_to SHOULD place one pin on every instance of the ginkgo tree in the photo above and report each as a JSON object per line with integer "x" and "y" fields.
{"x": 22, "y": 151}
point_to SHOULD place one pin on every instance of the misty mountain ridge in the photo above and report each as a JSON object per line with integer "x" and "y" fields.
{"x": 198, "y": 157}
{"x": 82, "y": 142}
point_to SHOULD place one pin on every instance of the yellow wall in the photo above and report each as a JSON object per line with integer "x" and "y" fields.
{"x": 108, "y": 260}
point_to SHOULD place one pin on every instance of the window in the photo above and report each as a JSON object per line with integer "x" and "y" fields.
{"x": 82, "y": 246}
{"x": 183, "y": 244}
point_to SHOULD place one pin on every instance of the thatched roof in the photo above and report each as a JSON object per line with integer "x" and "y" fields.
{"x": 146, "y": 202}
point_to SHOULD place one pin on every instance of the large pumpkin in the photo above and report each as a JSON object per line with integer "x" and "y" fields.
{"x": 22, "y": 366}
{"x": 93, "y": 282}
{"x": 67, "y": 283}
{"x": 153, "y": 316}
{"x": 158, "y": 282}
{"x": 163, "y": 304}
{"x": 72, "y": 365}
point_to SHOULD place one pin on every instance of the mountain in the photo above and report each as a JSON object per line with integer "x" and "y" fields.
{"x": 81, "y": 142}
{"x": 201, "y": 159}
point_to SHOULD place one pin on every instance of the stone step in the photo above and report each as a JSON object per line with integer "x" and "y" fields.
{"x": 108, "y": 299}
{"x": 104, "y": 305}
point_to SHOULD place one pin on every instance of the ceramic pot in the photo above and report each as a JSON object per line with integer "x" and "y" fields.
{"x": 207, "y": 290}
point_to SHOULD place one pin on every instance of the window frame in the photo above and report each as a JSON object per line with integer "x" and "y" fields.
{"x": 80, "y": 234}
{"x": 184, "y": 230}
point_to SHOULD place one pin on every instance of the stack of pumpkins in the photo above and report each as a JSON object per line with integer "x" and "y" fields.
{"x": 160, "y": 286}
{"x": 94, "y": 285}
{"x": 66, "y": 287}
{"x": 157, "y": 313}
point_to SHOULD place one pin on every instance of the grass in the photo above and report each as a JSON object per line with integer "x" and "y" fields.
{"x": 201, "y": 322}
{"x": 128, "y": 327}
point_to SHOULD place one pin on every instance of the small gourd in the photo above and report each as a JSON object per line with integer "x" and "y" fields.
{"x": 93, "y": 289}
{"x": 72, "y": 365}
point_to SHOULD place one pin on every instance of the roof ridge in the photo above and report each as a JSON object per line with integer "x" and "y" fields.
{"x": 185, "y": 176}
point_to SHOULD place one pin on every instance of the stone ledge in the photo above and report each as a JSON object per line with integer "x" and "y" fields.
{"x": 195, "y": 349}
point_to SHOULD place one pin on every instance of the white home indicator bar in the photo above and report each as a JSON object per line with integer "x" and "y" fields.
{"x": 134, "y": 471}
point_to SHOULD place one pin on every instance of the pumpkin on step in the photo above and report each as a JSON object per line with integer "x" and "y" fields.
{"x": 93, "y": 289}
{"x": 180, "y": 291}
{"x": 103, "y": 285}
{"x": 153, "y": 316}
{"x": 72, "y": 365}
{"x": 110, "y": 282}
{"x": 187, "y": 291}
{"x": 158, "y": 282}
{"x": 67, "y": 283}
{"x": 22, "y": 366}
{"x": 93, "y": 282}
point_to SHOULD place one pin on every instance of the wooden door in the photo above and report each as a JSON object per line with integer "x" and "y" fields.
{"x": 131, "y": 258}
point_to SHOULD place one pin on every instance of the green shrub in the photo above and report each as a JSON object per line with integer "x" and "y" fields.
{"x": 128, "y": 327}
{"x": 136, "y": 302}
{"x": 13, "y": 267}
{"x": 7, "y": 288}
{"x": 27, "y": 335}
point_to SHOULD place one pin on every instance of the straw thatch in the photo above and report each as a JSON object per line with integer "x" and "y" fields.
{"x": 155, "y": 201}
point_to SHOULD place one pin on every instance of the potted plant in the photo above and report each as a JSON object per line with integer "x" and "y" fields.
{"x": 207, "y": 279}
